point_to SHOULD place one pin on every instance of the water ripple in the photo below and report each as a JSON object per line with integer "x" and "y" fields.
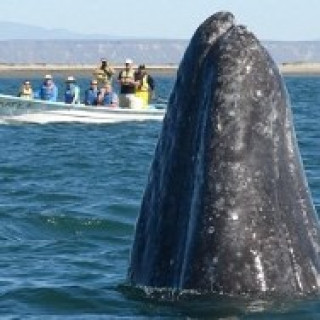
{"x": 69, "y": 198}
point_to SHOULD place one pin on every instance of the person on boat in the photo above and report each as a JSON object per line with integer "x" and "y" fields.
{"x": 91, "y": 94}
{"x": 26, "y": 90}
{"x": 127, "y": 85}
{"x": 72, "y": 92}
{"x": 144, "y": 85}
{"x": 107, "y": 97}
{"x": 104, "y": 72}
{"x": 48, "y": 91}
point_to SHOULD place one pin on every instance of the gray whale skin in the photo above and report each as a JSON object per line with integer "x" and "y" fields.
{"x": 227, "y": 207}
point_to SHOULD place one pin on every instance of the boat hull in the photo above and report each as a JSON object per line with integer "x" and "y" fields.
{"x": 15, "y": 109}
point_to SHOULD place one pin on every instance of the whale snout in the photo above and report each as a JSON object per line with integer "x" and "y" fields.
{"x": 227, "y": 207}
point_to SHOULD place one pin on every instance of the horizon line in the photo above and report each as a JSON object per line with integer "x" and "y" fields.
{"x": 115, "y": 39}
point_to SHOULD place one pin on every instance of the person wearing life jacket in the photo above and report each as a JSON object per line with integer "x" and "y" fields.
{"x": 144, "y": 85}
{"x": 26, "y": 90}
{"x": 107, "y": 97}
{"x": 104, "y": 72}
{"x": 72, "y": 92}
{"x": 127, "y": 85}
{"x": 91, "y": 94}
{"x": 48, "y": 91}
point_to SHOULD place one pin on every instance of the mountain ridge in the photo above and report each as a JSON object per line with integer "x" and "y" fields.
{"x": 141, "y": 51}
{"x": 21, "y": 31}
{"x": 22, "y": 43}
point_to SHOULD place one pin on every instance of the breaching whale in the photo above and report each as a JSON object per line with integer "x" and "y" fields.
{"x": 227, "y": 208}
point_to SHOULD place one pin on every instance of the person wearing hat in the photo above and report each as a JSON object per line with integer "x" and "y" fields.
{"x": 107, "y": 97}
{"x": 127, "y": 85}
{"x": 48, "y": 90}
{"x": 91, "y": 94}
{"x": 104, "y": 72}
{"x": 144, "y": 85}
{"x": 26, "y": 90}
{"x": 72, "y": 92}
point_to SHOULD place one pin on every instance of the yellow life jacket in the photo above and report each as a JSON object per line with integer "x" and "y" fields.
{"x": 144, "y": 86}
{"x": 99, "y": 74}
{"x": 103, "y": 74}
{"x": 127, "y": 74}
{"x": 108, "y": 71}
{"x": 26, "y": 92}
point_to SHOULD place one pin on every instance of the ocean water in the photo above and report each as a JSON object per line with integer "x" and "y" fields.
{"x": 69, "y": 199}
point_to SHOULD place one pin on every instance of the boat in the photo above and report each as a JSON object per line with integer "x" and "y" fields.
{"x": 17, "y": 109}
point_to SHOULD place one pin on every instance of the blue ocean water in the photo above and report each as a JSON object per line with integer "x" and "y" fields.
{"x": 69, "y": 199}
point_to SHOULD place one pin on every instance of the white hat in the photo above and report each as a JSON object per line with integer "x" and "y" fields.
{"x": 70, "y": 79}
{"x": 128, "y": 61}
{"x": 48, "y": 77}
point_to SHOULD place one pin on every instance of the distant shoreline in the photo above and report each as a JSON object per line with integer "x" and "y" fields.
{"x": 300, "y": 68}
{"x": 13, "y": 69}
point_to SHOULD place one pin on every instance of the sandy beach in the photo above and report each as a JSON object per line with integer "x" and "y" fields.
{"x": 307, "y": 68}
{"x": 7, "y": 69}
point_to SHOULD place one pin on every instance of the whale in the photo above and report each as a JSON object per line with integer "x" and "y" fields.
{"x": 227, "y": 208}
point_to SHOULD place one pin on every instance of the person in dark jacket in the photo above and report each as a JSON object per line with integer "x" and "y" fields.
{"x": 72, "y": 92}
{"x": 91, "y": 94}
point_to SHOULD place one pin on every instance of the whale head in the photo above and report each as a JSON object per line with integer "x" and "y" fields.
{"x": 227, "y": 208}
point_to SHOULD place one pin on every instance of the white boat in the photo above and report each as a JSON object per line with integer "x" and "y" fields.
{"x": 16, "y": 109}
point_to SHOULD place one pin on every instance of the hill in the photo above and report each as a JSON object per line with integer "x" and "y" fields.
{"x": 22, "y": 43}
{"x": 141, "y": 51}
{"x": 20, "y": 31}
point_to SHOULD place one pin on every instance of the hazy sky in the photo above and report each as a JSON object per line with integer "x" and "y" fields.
{"x": 269, "y": 19}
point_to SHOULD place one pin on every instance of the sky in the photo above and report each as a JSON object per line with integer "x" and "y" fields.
{"x": 168, "y": 19}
